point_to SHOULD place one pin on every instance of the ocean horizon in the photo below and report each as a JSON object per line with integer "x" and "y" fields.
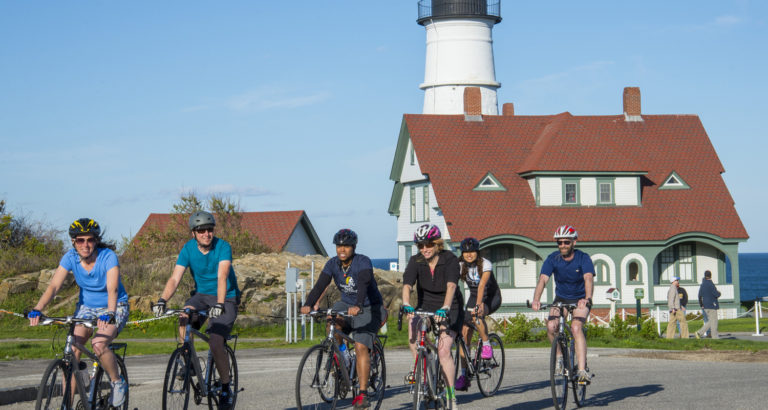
{"x": 753, "y": 274}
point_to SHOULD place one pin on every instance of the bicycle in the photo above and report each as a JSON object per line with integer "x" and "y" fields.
{"x": 94, "y": 388}
{"x": 489, "y": 372}
{"x": 563, "y": 341}
{"x": 185, "y": 365}
{"x": 324, "y": 377}
{"x": 428, "y": 385}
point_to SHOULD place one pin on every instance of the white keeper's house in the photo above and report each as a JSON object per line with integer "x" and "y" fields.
{"x": 644, "y": 191}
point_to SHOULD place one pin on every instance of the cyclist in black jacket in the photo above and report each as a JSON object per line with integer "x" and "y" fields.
{"x": 436, "y": 271}
{"x": 360, "y": 297}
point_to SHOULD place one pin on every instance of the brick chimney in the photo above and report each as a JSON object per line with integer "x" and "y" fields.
{"x": 508, "y": 109}
{"x": 473, "y": 104}
{"x": 632, "y": 104}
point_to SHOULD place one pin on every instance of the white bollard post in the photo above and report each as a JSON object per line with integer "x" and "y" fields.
{"x": 624, "y": 315}
{"x": 658, "y": 321}
{"x": 757, "y": 321}
{"x": 288, "y": 317}
{"x": 312, "y": 322}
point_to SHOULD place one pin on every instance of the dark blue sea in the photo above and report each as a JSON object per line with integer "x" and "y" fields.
{"x": 382, "y": 263}
{"x": 753, "y": 275}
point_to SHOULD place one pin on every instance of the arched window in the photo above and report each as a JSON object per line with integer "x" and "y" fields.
{"x": 602, "y": 273}
{"x": 677, "y": 260}
{"x": 633, "y": 272}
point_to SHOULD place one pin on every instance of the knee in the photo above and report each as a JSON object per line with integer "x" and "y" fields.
{"x": 552, "y": 326}
{"x": 99, "y": 347}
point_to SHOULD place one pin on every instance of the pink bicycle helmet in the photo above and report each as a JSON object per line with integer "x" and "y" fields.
{"x": 426, "y": 233}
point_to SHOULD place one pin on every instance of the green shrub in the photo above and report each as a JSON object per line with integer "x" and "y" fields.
{"x": 620, "y": 329}
{"x": 596, "y": 332}
{"x": 521, "y": 329}
{"x": 648, "y": 330}
{"x": 26, "y": 246}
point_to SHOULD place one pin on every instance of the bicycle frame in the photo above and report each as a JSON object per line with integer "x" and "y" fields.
{"x": 331, "y": 315}
{"x": 71, "y": 359}
{"x": 425, "y": 346}
{"x": 462, "y": 348}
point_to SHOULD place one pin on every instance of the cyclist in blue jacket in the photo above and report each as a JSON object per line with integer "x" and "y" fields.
{"x": 574, "y": 283}
{"x": 102, "y": 295}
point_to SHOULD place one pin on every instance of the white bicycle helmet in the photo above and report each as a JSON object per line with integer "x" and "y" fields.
{"x": 566, "y": 232}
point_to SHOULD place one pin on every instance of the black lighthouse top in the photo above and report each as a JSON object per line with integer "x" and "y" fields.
{"x": 434, "y": 9}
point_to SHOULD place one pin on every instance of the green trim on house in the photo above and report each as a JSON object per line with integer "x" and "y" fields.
{"x": 394, "y": 200}
{"x": 612, "y": 182}
{"x": 666, "y": 185}
{"x": 568, "y": 181}
{"x": 538, "y": 192}
{"x": 489, "y": 176}
{"x": 581, "y": 173}
{"x": 400, "y": 152}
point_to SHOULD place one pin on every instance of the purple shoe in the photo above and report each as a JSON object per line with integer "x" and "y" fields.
{"x": 462, "y": 383}
{"x": 487, "y": 352}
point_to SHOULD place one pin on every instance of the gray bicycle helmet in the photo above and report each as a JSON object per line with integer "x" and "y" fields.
{"x": 201, "y": 218}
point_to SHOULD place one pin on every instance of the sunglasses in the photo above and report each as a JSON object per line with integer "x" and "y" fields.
{"x": 564, "y": 242}
{"x": 204, "y": 230}
{"x": 425, "y": 245}
{"x": 81, "y": 241}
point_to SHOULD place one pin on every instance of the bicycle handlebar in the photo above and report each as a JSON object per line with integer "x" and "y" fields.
{"x": 419, "y": 312}
{"x": 174, "y": 312}
{"x": 329, "y": 312}
{"x": 569, "y": 306}
{"x": 50, "y": 320}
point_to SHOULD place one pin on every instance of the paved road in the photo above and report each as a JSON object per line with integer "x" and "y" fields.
{"x": 621, "y": 382}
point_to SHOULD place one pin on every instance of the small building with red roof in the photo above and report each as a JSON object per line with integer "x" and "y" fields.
{"x": 645, "y": 193}
{"x": 280, "y": 231}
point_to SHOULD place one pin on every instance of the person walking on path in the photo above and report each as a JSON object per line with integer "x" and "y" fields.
{"x": 683, "y": 302}
{"x": 708, "y": 295}
{"x": 676, "y": 312}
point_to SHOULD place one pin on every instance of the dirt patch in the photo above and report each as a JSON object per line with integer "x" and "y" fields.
{"x": 707, "y": 356}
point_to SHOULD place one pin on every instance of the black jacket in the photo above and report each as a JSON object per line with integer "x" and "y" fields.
{"x": 431, "y": 288}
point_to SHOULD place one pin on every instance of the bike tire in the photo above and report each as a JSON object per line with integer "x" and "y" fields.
{"x": 377, "y": 379}
{"x": 317, "y": 380}
{"x": 176, "y": 384}
{"x": 579, "y": 390}
{"x": 490, "y": 372}
{"x": 49, "y": 394}
{"x": 436, "y": 384}
{"x": 102, "y": 393}
{"x": 214, "y": 381}
{"x": 420, "y": 379}
{"x": 559, "y": 382}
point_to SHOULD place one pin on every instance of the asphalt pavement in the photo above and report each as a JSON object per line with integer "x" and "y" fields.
{"x": 621, "y": 382}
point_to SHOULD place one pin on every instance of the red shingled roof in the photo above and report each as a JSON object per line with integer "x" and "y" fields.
{"x": 272, "y": 228}
{"x": 456, "y": 154}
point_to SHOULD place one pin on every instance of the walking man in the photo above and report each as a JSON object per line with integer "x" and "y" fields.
{"x": 676, "y": 312}
{"x": 708, "y": 295}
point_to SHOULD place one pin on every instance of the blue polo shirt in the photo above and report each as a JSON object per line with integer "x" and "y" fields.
{"x": 93, "y": 284}
{"x": 205, "y": 268}
{"x": 569, "y": 275}
{"x": 347, "y": 282}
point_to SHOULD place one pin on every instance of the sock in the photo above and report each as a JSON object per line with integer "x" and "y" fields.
{"x": 451, "y": 393}
{"x": 487, "y": 343}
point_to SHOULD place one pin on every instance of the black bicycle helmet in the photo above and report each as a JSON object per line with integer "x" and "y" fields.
{"x": 345, "y": 237}
{"x": 200, "y": 219}
{"x": 470, "y": 245}
{"x": 84, "y": 226}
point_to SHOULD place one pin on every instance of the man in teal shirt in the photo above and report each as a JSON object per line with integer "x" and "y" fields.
{"x": 210, "y": 260}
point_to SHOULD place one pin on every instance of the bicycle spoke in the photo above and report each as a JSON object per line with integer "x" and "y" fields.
{"x": 559, "y": 378}
{"x": 317, "y": 379}
{"x": 490, "y": 372}
{"x": 176, "y": 386}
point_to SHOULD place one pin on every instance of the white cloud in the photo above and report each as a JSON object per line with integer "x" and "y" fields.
{"x": 727, "y": 20}
{"x": 555, "y": 77}
{"x": 274, "y": 98}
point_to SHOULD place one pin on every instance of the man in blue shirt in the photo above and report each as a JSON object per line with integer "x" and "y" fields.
{"x": 574, "y": 283}
{"x": 360, "y": 297}
{"x": 210, "y": 261}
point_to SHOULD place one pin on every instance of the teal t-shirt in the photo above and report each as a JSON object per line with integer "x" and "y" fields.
{"x": 205, "y": 268}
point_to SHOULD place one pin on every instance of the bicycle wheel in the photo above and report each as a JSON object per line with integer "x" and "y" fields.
{"x": 49, "y": 394}
{"x": 490, "y": 372}
{"x": 214, "y": 381}
{"x": 436, "y": 384}
{"x": 420, "y": 389}
{"x": 579, "y": 390}
{"x": 377, "y": 379}
{"x": 559, "y": 381}
{"x": 102, "y": 393}
{"x": 178, "y": 376}
{"x": 317, "y": 384}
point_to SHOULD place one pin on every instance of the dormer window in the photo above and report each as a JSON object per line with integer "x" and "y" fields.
{"x": 673, "y": 181}
{"x": 489, "y": 183}
{"x": 570, "y": 191}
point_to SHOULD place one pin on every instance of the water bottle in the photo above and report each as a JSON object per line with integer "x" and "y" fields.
{"x": 345, "y": 354}
{"x": 83, "y": 376}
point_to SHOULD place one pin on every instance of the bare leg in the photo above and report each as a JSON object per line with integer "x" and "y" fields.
{"x": 363, "y": 365}
{"x": 446, "y": 360}
{"x": 100, "y": 344}
{"x": 220, "y": 356}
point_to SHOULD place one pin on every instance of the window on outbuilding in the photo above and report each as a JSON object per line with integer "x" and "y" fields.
{"x": 633, "y": 272}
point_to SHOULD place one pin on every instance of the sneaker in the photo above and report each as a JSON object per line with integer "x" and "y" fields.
{"x": 119, "y": 391}
{"x": 559, "y": 367}
{"x": 226, "y": 398}
{"x": 410, "y": 378}
{"x": 462, "y": 383}
{"x": 487, "y": 352}
{"x": 697, "y": 335}
{"x": 584, "y": 377}
{"x": 361, "y": 402}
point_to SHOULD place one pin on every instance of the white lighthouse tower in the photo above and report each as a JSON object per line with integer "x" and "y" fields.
{"x": 459, "y": 53}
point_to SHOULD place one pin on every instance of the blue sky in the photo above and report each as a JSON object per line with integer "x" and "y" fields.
{"x": 111, "y": 109}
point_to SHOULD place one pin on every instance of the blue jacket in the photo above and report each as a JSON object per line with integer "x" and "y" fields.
{"x": 708, "y": 295}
